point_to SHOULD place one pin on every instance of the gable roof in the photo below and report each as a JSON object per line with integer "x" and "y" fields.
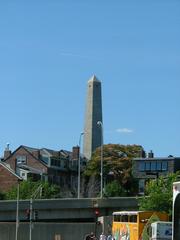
{"x": 50, "y": 152}
{"x": 65, "y": 153}
{"x": 45, "y": 151}
{"x": 29, "y": 150}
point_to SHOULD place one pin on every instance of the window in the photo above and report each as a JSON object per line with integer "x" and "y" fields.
{"x": 55, "y": 162}
{"x": 148, "y": 166}
{"x": 164, "y": 166}
{"x": 141, "y": 166}
{"x": 45, "y": 159}
{"x": 159, "y": 166}
{"x": 124, "y": 218}
{"x": 141, "y": 185}
{"x": 21, "y": 160}
{"x": 117, "y": 218}
{"x": 52, "y": 162}
{"x": 63, "y": 163}
{"x": 153, "y": 166}
{"x": 133, "y": 218}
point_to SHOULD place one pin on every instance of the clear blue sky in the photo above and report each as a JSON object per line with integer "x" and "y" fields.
{"x": 49, "y": 50}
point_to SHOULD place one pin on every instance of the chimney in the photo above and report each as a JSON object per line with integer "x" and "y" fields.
{"x": 36, "y": 153}
{"x": 142, "y": 153}
{"x": 150, "y": 154}
{"x": 75, "y": 153}
{"x": 7, "y": 152}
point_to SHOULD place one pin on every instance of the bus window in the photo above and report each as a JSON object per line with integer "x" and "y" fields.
{"x": 124, "y": 218}
{"x": 117, "y": 218}
{"x": 133, "y": 218}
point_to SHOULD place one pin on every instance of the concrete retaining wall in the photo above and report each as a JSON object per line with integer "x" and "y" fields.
{"x": 48, "y": 231}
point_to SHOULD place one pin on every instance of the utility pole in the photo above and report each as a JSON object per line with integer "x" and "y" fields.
{"x": 33, "y": 196}
{"x": 79, "y": 166}
{"x": 101, "y": 173}
{"x": 30, "y": 219}
{"x": 17, "y": 212}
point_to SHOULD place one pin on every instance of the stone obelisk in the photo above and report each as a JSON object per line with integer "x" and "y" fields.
{"x": 93, "y": 114}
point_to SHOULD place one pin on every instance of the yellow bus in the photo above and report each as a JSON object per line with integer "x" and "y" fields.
{"x": 132, "y": 225}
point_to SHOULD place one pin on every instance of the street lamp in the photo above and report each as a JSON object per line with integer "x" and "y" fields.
{"x": 17, "y": 211}
{"x": 33, "y": 196}
{"x": 99, "y": 123}
{"x": 79, "y": 165}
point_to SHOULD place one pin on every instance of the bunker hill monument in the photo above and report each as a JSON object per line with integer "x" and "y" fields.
{"x": 93, "y": 114}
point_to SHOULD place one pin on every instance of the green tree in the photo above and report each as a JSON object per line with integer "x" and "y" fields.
{"x": 114, "y": 189}
{"x": 159, "y": 194}
{"x": 27, "y": 188}
{"x": 117, "y": 161}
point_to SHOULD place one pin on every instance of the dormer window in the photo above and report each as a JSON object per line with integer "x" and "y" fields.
{"x": 21, "y": 160}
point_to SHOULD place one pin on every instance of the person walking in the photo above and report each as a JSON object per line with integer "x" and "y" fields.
{"x": 110, "y": 237}
{"x": 102, "y": 236}
{"x": 90, "y": 236}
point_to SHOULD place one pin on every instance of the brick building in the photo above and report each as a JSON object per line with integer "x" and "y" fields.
{"x": 8, "y": 177}
{"x": 150, "y": 167}
{"x": 57, "y": 167}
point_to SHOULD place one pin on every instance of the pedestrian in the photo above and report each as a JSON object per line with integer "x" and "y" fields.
{"x": 102, "y": 236}
{"x": 110, "y": 237}
{"x": 90, "y": 236}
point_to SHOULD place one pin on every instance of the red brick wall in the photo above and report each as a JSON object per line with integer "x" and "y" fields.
{"x": 7, "y": 179}
{"x": 75, "y": 153}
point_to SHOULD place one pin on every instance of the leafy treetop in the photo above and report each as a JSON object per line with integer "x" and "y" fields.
{"x": 27, "y": 188}
{"x": 117, "y": 161}
{"x": 159, "y": 194}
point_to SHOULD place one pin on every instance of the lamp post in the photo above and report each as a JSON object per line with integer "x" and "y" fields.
{"x": 79, "y": 165}
{"x": 33, "y": 196}
{"x": 30, "y": 218}
{"x": 99, "y": 123}
{"x": 17, "y": 211}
